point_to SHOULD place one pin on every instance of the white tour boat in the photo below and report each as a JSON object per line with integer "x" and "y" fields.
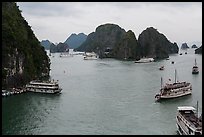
{"x": 90, "y": 56}
{"x": 44, "y": 87}
{"x": 195, "y": 68}
{"x": 145, "y": 60}
{"x": 188, "y": 122}
{"x": 173, "y": 90}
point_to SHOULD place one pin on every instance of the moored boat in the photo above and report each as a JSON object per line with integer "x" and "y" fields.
{"x": 44, "y": 87}
{"x": 145, "y": 60}
{"x": 195, "y": 68}
{"x": 188, "y": 122}
{"x": 90, "y": 56}
{"x": 173, "y": 90}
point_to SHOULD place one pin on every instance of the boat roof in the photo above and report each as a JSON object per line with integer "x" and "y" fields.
{"x": 186, "y": 108}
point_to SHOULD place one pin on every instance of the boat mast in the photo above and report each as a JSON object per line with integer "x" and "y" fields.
{"x": 197, "y": 109}
{"x": 175, "y": 75}
{"x": 195, "y": 62}
{"x": 161, "y": 82}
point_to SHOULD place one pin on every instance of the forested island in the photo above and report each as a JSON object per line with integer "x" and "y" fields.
{"x": 23, "y": 58}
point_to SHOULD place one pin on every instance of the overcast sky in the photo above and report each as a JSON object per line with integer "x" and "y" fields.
{"x": 56, "y": 21}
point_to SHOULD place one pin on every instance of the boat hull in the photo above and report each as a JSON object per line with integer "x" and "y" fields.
{"x": 46, "y": 91}
{"x": 161, "y": 97}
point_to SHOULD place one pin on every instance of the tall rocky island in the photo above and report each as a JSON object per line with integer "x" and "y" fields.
{"x": 110, "y": 40}
{"x": 23, "y": 58}
{"x": 156, "y": 45}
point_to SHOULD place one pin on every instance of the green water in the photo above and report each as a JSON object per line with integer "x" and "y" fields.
{"x": 103, "y": 97}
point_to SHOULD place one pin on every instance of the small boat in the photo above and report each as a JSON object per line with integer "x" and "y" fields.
{"x": 195, "y": 68}
{"x": 187, "y": 121}
{"x": 161, "y": 68}
{"x": 145, "y": 60}
{"x": 180, "y": 54}
{"x": 172, "y": 62}
{"x": 174, "y": 90}
{"x": 185, "y": 52}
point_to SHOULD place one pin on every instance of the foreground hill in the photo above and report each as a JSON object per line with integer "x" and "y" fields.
{"x": 23, "y": 58}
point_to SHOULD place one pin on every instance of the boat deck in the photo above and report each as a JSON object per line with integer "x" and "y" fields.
{"x": 192, "y": 119}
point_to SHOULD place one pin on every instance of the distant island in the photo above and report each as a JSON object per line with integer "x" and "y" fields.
{"x": 194, "y": 46}
{"x": 184, "y": 46}
{"x": 46, "y": 44}
{"x": 112, "y": 41}
{"x": 61, "y": 47}
{"x": 74, "y": 40}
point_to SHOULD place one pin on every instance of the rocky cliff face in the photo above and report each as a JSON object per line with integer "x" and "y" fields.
{"x": 156, "y": 45}
{"x": 74, "y": 40}
{"x": 110, "y": 40}
{"x": 23, "y": 58}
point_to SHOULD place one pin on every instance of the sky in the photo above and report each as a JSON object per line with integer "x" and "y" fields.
{"x": 55, "y": 21}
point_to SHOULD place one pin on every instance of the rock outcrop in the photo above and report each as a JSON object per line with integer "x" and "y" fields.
{"x": 184, "y": 46}
{"x": 198, "y": 50}
{"x": 156, "y": 45}
{"x": 23, "y": 58}
{"x": 110, "y": 40}
{"x": 194, "y": 46}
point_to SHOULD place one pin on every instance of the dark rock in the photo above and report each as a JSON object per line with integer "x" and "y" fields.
{"x": 194, "y": 46}
{"x": 156, "y": 45}
{"x": 198, "y": 50}
{"x": 184, "y": 46}
{"x": 23, "y": 58}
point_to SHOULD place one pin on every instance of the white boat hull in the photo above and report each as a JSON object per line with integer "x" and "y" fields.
{"x": 174, "y": 95}
{"x": 48, "y": 91}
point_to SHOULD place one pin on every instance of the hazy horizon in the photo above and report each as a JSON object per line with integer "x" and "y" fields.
{"x": 55, "y": 21}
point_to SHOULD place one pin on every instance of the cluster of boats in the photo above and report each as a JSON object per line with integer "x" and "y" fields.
{"x": 50, "y": 87}
{"x": 188, "y": 122}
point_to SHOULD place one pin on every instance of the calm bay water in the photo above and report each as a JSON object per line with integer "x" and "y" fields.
{"x": 104, "y": 97}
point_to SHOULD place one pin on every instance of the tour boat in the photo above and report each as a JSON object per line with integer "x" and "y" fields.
{"x": 145, "y": 60}
{"x": 173, "y": 90}
{"x": 44, "y": 87}
{"x": 188, "y": 122}
{"x": 195, "y": 68}
{"x": 90, "y": 56}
